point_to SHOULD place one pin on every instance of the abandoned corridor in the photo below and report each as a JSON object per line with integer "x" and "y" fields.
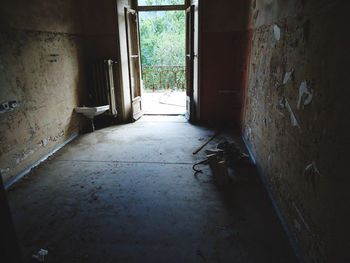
{"x": 127, "y": 193}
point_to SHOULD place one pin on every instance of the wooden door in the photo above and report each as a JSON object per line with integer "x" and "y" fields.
{"x": 133, "y": 43}
{"x": 190, "y": 114}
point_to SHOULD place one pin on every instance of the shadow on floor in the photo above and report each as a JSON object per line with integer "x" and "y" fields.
{"x": 128, "y": 194}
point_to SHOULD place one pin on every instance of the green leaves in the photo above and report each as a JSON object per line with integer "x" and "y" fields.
{"x": 160, "y": 2}
{"x": 162, "y": 37}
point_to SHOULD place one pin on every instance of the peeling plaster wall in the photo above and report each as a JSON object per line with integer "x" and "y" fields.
{"x": 42, "y": 67}
{"x": 300, "y": 55}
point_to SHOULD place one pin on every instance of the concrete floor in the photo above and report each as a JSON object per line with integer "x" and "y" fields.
{"x": 164, "y": 103}
{"x": 127, "y": 194}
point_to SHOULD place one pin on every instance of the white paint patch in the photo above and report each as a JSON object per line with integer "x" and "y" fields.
{"x": 305, "y": 95}
{"x": 293, "y": 119}
{"x": 287, "y": 76}
{"x": 281, "y": 105}
{"x": 277, "y": 32}
{"x": 248, "y": 132}
{"x": 44, "y": 142}
{"x": 312, "y": 168}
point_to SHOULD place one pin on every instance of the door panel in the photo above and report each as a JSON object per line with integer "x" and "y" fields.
{"x": 189, "y": 63}
{"x": 133, "y": 41}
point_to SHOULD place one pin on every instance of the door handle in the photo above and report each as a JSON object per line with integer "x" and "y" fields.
{"x": 134, "y": 56}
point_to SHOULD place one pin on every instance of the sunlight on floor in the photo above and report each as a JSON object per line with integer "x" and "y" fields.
{"x": 164, "y": 103}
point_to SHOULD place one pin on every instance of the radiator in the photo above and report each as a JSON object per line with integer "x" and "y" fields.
{"x": 103, "y": 85}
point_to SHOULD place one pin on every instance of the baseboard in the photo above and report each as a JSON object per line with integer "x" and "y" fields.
{"x": 23, "y": 173}
{"x": 282, "y": 218}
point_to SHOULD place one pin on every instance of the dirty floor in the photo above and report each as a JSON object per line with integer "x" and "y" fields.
{"x": 128, "y": 194}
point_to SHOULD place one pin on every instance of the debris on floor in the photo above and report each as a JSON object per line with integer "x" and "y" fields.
{"x": 40, "y": 256}
{"x": 150, "y": 207}
{"x": 205, "y": 144}
{"x": 226, "y": 155}
{"x": 219, "y": 168}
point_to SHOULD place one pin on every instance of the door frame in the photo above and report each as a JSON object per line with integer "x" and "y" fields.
{"x": 134, "y": 5}
{"x": 195, "y": 114}
{"x": 134, "y": 63}
{"x": 190, "y": 109}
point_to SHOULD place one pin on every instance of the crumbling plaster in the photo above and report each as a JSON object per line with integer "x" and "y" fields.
{"x": 41, "y": 67}
{"x": 47, "y": 49}
{"x": 302, "y": 150}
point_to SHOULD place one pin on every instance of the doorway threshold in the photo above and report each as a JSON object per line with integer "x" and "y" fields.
{"x": 164, "y": 103}
{"x": 163, "y": 118}
{"x": 164, "y": 114}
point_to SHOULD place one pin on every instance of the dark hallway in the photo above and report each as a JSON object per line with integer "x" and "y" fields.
{"x": 89, "y": 177}
{"x": 139, "y": 202}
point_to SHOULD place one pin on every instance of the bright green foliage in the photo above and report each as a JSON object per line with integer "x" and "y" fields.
{"x": 162, "y": 37}
{"x": 160, "y": 2}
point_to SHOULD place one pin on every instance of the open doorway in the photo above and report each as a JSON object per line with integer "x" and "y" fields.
{"x": 163, "y": 59}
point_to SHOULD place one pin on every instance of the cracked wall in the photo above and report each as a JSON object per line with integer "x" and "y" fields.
{"x": 296, "y": 118}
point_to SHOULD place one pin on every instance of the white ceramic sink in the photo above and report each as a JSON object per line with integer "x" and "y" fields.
{"x": 91, "y": 112}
